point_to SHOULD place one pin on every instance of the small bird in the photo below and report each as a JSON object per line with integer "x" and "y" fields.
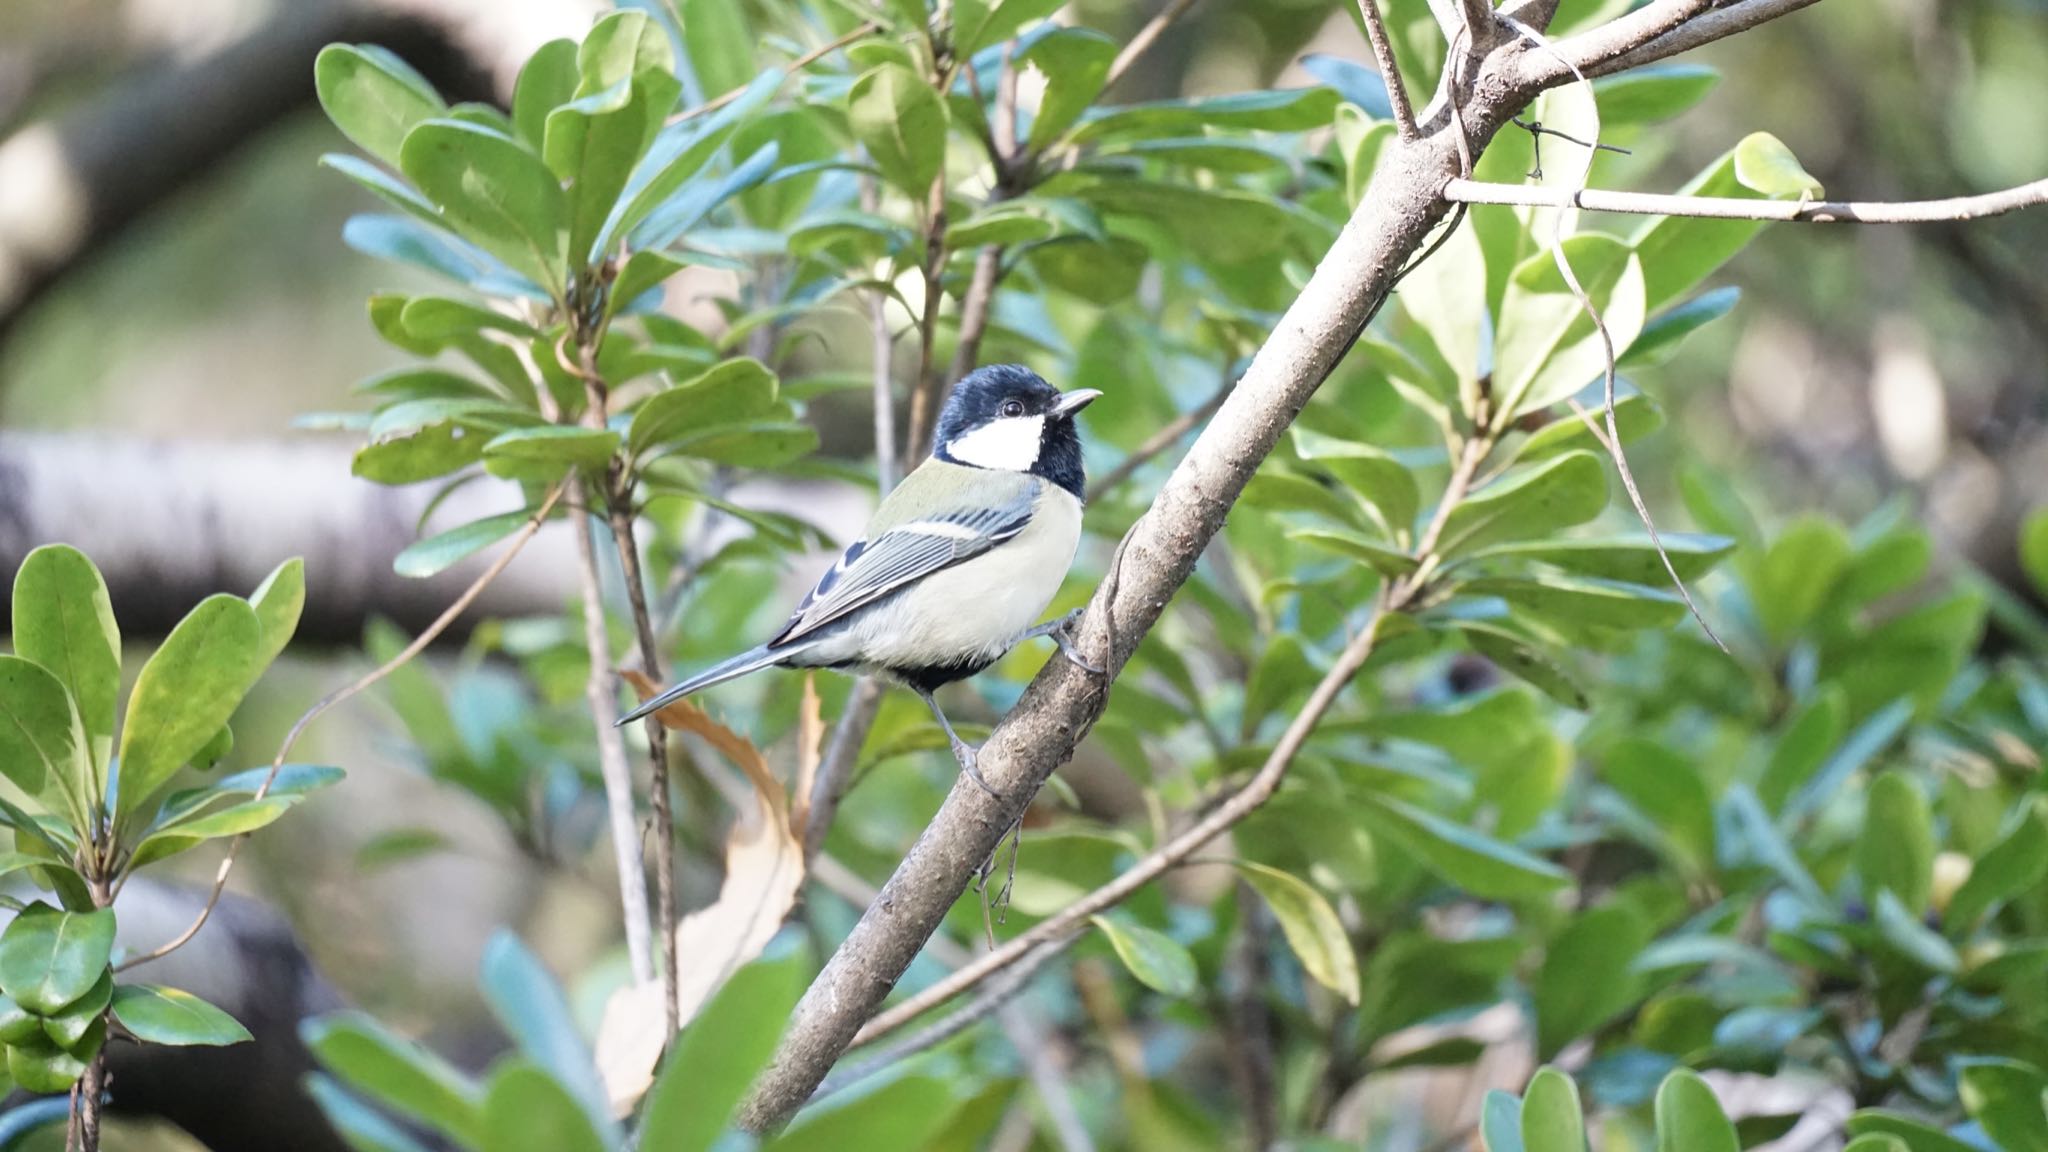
{"x": 957, "y": 563}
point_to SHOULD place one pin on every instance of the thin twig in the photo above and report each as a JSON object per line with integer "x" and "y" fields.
{"x": 1612, "y": 440}
{"x": 1383, "y": 54}
{"x": 797, "y": 65}
{"x": 842, "y": 757}
{"x": 429, "y": 635}
{"x": 1166, "y": 437}
{"x": 927, "y": 384}
{"x": 1727, "y": 208}
{"x": 1143, "y": 41}
{"x": 1701, "y": 30}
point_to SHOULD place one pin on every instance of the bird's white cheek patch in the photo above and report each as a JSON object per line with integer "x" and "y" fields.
{"x": 1010, "y": 443}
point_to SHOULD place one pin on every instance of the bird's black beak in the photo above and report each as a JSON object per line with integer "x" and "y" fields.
{"x": 1072, "y": 402}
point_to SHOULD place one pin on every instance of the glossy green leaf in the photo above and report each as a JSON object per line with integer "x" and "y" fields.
{"x": 360, "y": 1126}
{"x": 735, "y": 391}
{"x": 594, "y": 144}
{"x": 1677, "y": 251}
{"x": 1384, "y": 483}
{"x": 1665, "y": 332}
{"x": 1500, "y": 1122}
{"x": 1277, "y": 491}
{"x": 2005, "y": 1098}
{"x": 642, "y": 273}
{"x": 1764, "y": 164}
{"x": 2034, "y": 549}
{"x": 1075, "y": 63}
{"x": 1475, "y": 862}
{"x": 49, "y": 958}
{"x": 1910, "y": 938}
{"x": 621, "y": 45}
{"x": 1529, "y": 502}
{"x": 1278, "y": 110}
{"x": 1523, "y": 658}
{"x": 434, "y": 451}
{"x": 18, "y": 1024}
{"x": 1689, "y": 1118}
{"x": 494, "y": 193}
{"x": 278, "y": 602}
{"x": 186, "y": 692}
{"x": 1876, "y": 1142}
{"x": 373, "y": 97}
{"x": 67, "y": 1028}
{"x": 718, "y": 1055}
{"x": 1654, "y": 93}
{"x": 1596, "y": 602}
{"x": 1917, "y": 1135}
{"x": 1156, "y": 959}
{"x": 769, "y": 444}
{"x": 64, "y": 621}
{"x": 902, "y": 123}
{"x": 1588, "y": 974}
{"x": 1551, "y": 1118}
{"x": 527, "y": 1110}
{"x": 980, "y": 23}
{"x": 1383, "y": 559}
{"x": 1803, "y": 747}
{"x": 546, "y": 80}
{"x": 1438, "y": 296}
{"x": 44, "y": 750}
{"x": 1896, "y": 852}
{"x": 40, "y": 1066}
{"x": 2015, "y": 864}
{"x": 440, "y": 552}
{"x": 1311, "y": 926}
{"x": 1635, "y": 415}
{"x": 1630, "y": 559}
{"x": 1546, "y": 347}
{"x": 1797, "y": 574}
{"x": 676, "y": 216}
{"x": 1666, "y": 787}
{"x": 901, "y": 1114}
{"x": 554, "y": 447}
{"x": 720, "y": 47}
{"x": 230, "y": 821}
{"x": 159, "y": 1015}
{"x": 399, "y": 1074}
{"x": 679, "y": 152}
{"x": 530, "y": 1006}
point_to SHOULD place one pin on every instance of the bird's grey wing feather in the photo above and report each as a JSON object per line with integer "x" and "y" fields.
{"x": 872, "y": 569}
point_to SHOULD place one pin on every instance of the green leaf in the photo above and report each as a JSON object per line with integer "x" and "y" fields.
{"x": 1588, "y": 975}
{"x": 1500, "y": 1122}
{"x": 40, "y": 1066}
{"x": 712, "y": 1064}
{"x": 1475, "y": 862}
{"x": 1797, "y": 574}
{"x": 1764, "y": 164}
{"x": 1528, "y": 502}
{"x": 159, "y": 1015}
{"x": 192, "y": 832}
{"x": 1596, "y": 602}
{"x": 1382, "y": 482}
{"x": 2034, "y": 549}
{"x": 373, "y": 97}
{"x": 2004, "y": 1097}
{"x": 1383, "y": 559}
{"x": 1005, "y": 222}
{"x": 397, "y": 1073}
{"x": 1803, "y": 747}
{"x": 1896, "y": 852}
{"x": 278, "y": 601}
{"x": 1075, "y": 63}
{"x": 18, "y": 1024}
{"x": 904, "y": 1113}
{"x": 438, "y": 553}
{"x": 1918, "y": 1136}
{"x": 1521, "y": 657}
{"x": 527, "y": 1110}
{"x": 680, "y": 151}
{"x": 434, "y": 451}
{"x": 1657, "y": 92}
{"x": 1677, "y": 251}
{"x": 1635, "y": 415}
{"x": 1288, "y": 110}
{"x": 980, "y": 23}
{"x": 64, "y": 621}
{"x": 49, "y": 958}
{"x": 186, "y": 693}
{"x": 1689, "y": 1118}
{"x": 902, "y": 122}
{"x": 643, "y": 272}
{"x": 550, "y": 449}
{"x": 360, "y": 1126}
{"x": 1551, "y": 1117}
{"x": 495, "y": 194}
{"x": 770, "y": 444}
{"x": 676, "y": 216}
{"x": 594, "y": 144}
{"x": 66, "y": 1029}
{"x": 529, "y": 1004}
{"x": 720, "y": 47}
{"x": 2015, "y": 864}
{"x": 546, "y": 81}
{"x": 735, "y": 391}
{"x": 1546, "y": 348}
{"x": 44, "y": 750}
{"x": 1439, "y": 297}
{"x": 1156, "y": 959}
{"x": 1869, "y": 739}
{"x": 1666, "y": 331}
{"x": 1876, "y": 1142}
{"x": 1277, "y": 491}
{"x": 1668, "y": 788}
{"x": 1912, "y": 939}
{"x": 1311, "y": 926}
{"x": 1630, "y": 559}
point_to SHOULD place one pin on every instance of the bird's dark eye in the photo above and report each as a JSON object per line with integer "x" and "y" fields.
{"x": 1013, "y": 407}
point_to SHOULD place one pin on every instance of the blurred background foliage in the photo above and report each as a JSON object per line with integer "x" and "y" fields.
{"x": 1811, "y": 868}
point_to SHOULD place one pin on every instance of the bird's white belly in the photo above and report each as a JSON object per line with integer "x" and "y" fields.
{"x": 974, "y": 611}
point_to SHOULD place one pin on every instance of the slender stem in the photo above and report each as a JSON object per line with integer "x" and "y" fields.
{"x": 1143, "y": 41}
{"x": 1727, "y": 208}
{"x": 842, "y": 756}
{"x": 657, "y": 757}
{"x": 1383, "y": 54}
{"x": 797, "y": 65}
{"x": 291, "y": 737}
{"x": 927, "y": 385}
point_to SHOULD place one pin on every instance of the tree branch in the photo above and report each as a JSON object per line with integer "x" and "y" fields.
{"x": 1142, "y": 42}
{"x": 1597, "y": 53}
{"x": 1728, "y": 208}
{"x": 1166, "y": 437}
{"x": 1390, "y": 71}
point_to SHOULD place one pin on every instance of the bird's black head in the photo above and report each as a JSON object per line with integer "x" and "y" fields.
{"x": 1005, "y": 416}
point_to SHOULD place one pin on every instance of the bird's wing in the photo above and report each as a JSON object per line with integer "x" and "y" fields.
{"x": 900, "y": 555}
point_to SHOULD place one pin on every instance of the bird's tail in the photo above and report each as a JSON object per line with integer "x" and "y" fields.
{"x": 752, "y": 660}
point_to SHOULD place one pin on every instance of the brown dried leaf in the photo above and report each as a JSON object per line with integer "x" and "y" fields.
{"x": 764, "y": 868}
{"x": 810, "y": 751}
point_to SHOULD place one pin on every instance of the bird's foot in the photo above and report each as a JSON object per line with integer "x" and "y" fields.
{"x": 966, "y": 754}
{"x": 1061, "y": 632}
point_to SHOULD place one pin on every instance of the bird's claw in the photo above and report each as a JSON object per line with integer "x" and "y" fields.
{"x": 1061, "y": 632}
{"x": 965, "y": 753}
